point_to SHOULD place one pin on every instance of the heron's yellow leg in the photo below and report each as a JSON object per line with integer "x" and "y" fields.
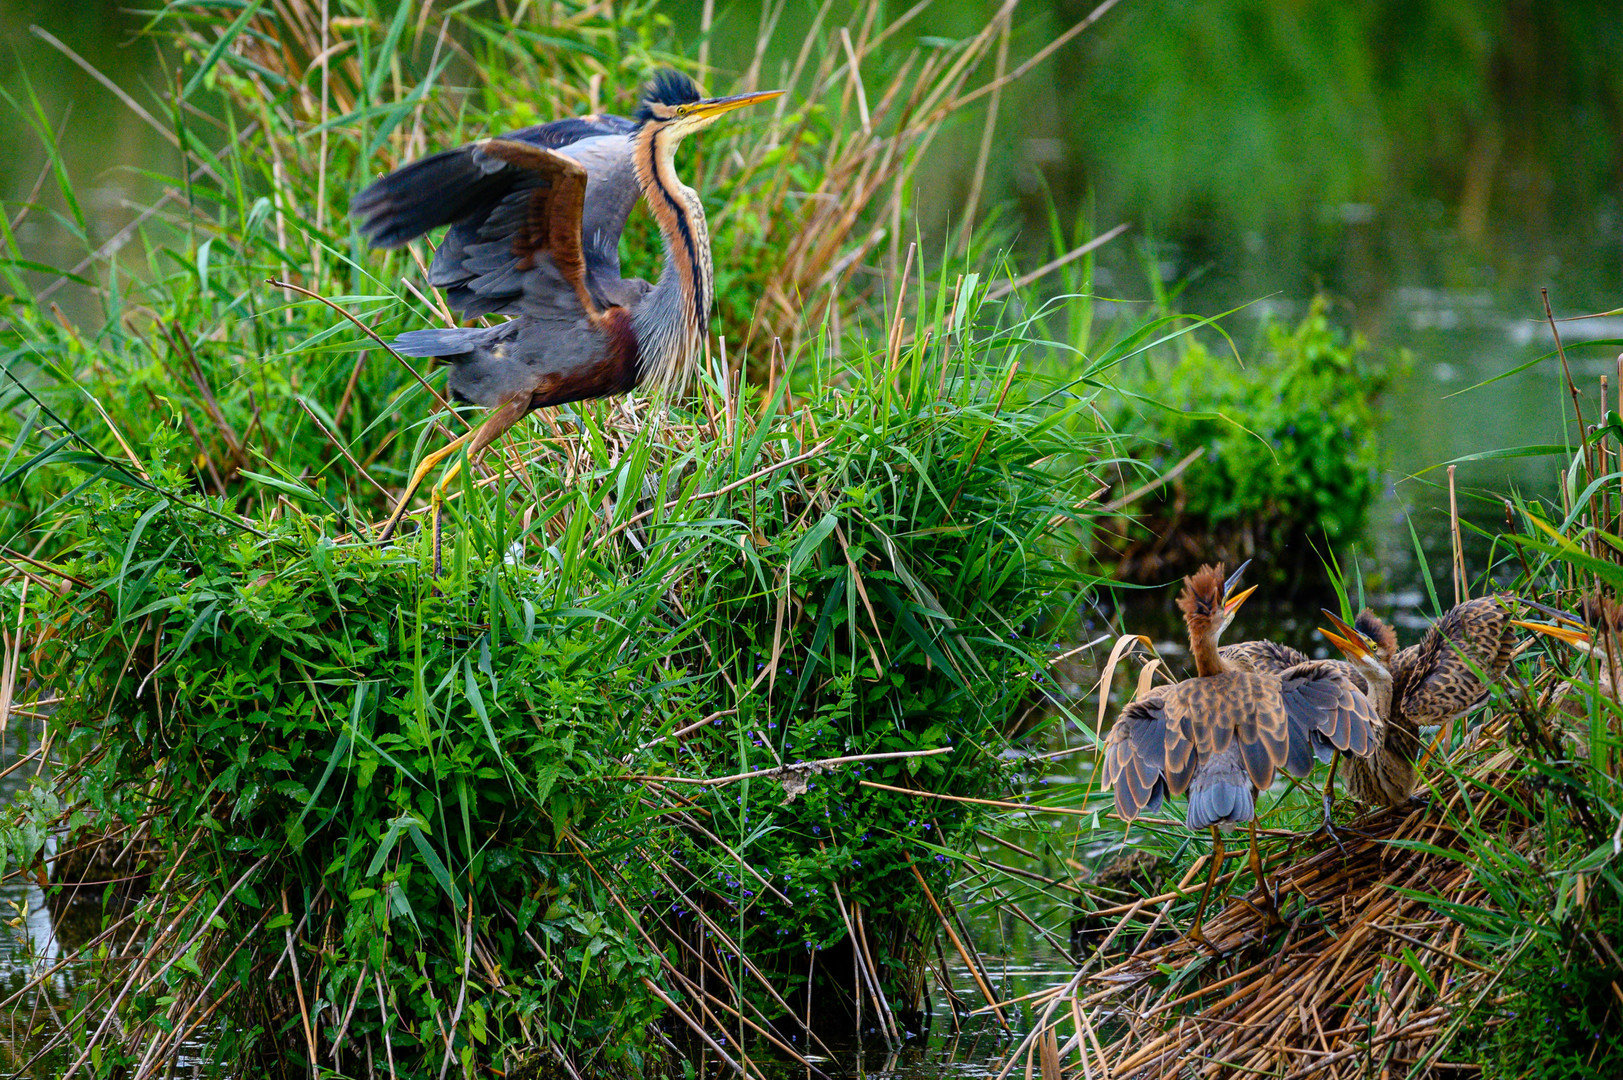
{"x": 1269, "y": 910}
{"x": 501, "y": 418}
{"x": 417, "y": 478}
{"x": 1206, "y": 893}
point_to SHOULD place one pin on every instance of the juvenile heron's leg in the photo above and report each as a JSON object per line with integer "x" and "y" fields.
{"x": 1270, "y": 909}
{"x": 1195, "y": 933}
{"x": 1328, "y": 826}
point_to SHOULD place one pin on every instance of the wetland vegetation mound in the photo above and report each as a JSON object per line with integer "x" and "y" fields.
{"x": 644, "y": 751}
{"x": 1277, "y": 448}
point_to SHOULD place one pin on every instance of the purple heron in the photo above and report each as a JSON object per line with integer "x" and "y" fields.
{"x": 535, "y": 219}
{"x": 1223, "y": 734}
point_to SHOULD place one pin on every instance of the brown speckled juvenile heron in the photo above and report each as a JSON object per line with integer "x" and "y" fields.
{"x": 1386, "y": 775}
{"x": 1439, "y": 679}
{"x": 1222, "y": 735}
{"x": 535, "y": 220}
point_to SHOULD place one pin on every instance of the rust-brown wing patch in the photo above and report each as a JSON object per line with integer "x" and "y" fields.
{"x": 550, "y": 224}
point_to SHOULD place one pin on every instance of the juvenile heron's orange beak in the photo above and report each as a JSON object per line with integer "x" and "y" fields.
{"x": 1575, "y": 635}
{"x": 1352, "y": 644}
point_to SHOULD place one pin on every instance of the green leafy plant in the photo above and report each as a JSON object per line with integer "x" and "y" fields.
{"x": 1282, "y": 458}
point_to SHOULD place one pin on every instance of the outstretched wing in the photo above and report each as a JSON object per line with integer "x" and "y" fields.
{"x": 1436, "y": 679}
{"x": 509, "y": 202}
{"x": 1162, "y": 740}
{"x": 1234, "y": 707}
{"x": 1325, "y": 706}
{"x": 528, "y": 243}
{"x": 1136, "y": 765}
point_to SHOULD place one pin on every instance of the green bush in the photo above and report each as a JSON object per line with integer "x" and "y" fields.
{"x": 490, "y": 812}
{"x": 1288, "y": 456}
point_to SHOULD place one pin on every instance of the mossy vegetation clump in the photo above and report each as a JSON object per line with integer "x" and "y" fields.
{"x": 1281, "y": 441}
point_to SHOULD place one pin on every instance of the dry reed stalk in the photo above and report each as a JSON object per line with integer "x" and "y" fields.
{"x": 1368, "y": 972}
{"x": 1458, "y": 563}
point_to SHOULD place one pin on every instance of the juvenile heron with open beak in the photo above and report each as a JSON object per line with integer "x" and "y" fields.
{"x": 535, "y": 220}
{"x": 1222, "y": 735}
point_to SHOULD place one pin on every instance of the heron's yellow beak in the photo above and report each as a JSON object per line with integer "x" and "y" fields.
{"x": 1576, "y": 636}
{"x": 1348, "y": 640}
{"x": 1232, "y": 602}
{"x": 716, "y": 106}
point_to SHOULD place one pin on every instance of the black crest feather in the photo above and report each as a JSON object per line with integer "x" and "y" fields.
{"x": 668, "y": 87}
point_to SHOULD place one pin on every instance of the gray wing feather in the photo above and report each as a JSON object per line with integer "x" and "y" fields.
{"x": 1325, "y": 711}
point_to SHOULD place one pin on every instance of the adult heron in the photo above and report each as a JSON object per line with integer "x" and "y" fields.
{"x": 535, "y": 220}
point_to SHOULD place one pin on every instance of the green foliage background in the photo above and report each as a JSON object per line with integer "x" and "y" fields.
{"x": 1286, "y": 429}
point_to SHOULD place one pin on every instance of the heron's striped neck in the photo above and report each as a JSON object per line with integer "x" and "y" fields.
{"x": 674, "y": 317}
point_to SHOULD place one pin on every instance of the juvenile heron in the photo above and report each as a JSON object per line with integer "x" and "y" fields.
{"x": 1222, "y": 735}
{"x": 1437, "y": 680}
{"x": 1386, "y": 776}
{"x": 536, "y": 217}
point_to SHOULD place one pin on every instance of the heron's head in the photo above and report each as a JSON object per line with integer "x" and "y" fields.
{"x": 1208, "y": 602}
{"x": 671, "y": 102}
{"x": 1368, "y": 643}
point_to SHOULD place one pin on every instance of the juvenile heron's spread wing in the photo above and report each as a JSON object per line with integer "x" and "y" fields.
{"x": 1436, "y": 680}
{"x": 507, "y": 200}
{"x": 1326, "y": 700}
{"x": 1135, "y": 763}
{"x": 1239, "y": 722}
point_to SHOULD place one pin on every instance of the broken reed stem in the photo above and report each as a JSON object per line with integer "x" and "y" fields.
{"x": 1602, "y": 458}
{"x": 804, "y": 768}
{"x": 1584, "y": 447}
{"x": 957, "y": 943}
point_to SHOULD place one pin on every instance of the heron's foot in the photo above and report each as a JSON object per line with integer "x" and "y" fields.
{"x": 1198, "y": 936}
{"x": 1327, "y": 827}
{"x": 1267, "y": 909}
{"x": 1419, "y": 802}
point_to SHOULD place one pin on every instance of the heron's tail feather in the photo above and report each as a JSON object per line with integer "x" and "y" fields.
{"x": 436, "y": 190}
{"x": 454, "y": 342}
{"x": 1223, "y": 803}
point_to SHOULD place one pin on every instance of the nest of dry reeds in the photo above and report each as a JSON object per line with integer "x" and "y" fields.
{"x": 1371, "y": 971}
